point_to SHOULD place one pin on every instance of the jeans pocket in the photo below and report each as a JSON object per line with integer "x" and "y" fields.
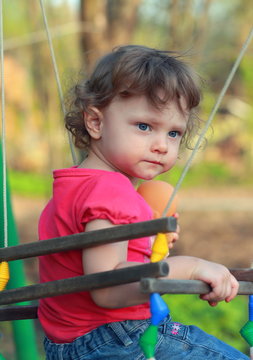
{"x": 175, "y": 329}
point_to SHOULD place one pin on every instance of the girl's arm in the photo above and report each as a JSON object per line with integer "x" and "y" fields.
{"x": 111, "y": 257}
{"x": 224, "y": 285}
{"x": 114, "y": 256}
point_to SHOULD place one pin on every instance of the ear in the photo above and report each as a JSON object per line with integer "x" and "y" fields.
{"x": 93, "y": 121}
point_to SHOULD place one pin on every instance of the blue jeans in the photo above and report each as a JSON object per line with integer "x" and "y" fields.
{"x": 119, "y": 341}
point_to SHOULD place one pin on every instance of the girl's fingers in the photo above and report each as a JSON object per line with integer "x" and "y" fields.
{"x": 234, "y": 289}
{"x": 223, "y": 291}
{"x": 213, "y": 303}
{"x": 172, "y": 238}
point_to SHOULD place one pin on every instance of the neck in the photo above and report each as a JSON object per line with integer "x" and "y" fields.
{"x": 95, "y": 160}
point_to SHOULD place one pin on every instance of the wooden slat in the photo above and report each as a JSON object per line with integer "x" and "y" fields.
{"x": 83, "y": 283}
{"x": 187, "y": 287}
{"x": 9, "y": 313}
{"x": 88, "y": 239}
{"x": 243, "y": 274}
{"x": 21, "y": 312}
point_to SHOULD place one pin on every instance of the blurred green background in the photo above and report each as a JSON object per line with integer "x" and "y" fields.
{"x": 209, "y": 32}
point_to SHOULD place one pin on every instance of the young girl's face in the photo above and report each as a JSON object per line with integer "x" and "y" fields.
{"x": 138, "y": 139}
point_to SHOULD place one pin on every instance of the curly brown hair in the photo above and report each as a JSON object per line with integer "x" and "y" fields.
{"x": 134, "y": 70}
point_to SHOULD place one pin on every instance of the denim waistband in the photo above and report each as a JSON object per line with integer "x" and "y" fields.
{"x": 120, "y": 340}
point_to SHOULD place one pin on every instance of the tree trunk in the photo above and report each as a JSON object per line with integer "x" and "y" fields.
{"x": 113, "y": 23}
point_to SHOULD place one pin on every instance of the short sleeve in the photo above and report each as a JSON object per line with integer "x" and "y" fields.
{"x": 112, "y": 197}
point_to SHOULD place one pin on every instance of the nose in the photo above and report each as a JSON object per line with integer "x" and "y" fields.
{"x": 160, "y": 144}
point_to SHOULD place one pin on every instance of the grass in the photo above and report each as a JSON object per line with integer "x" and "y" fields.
{"x": 29, "y": 184}
{"x": 206, "y": 174}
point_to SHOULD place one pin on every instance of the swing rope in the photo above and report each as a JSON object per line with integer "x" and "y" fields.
{"x": 3, "y": 132}
{"x": 210, "y": 119}
{"x": 57, "y": 77}
{"x": 4, "y": 267}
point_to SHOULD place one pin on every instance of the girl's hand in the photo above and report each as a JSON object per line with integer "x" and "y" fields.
{"x": 173, "y": 237}
{"x": 223, "y": 283}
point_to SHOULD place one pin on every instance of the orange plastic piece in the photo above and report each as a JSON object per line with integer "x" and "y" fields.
{"x": 4, "y": 275}
{"x": 157, "y": 194}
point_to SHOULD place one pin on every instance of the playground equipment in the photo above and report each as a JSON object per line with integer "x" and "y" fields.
{"x": 247, "y": 330}
{"x": 157, "y": 194}
{"x": 20, "y": 293}
{"x": 23, "y": 331}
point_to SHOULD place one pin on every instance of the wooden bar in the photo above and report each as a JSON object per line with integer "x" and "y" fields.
{"x": 9, "y": 313}
{"x": 89, "y": 239}
{"x": 83, "y": 283}
{"x": 186, "y": 287}
{"x": 242, "y": 274}
{"x": 21, "y": 312}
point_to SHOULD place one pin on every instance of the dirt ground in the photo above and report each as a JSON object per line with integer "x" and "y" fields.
{"x": 216, "y": 224}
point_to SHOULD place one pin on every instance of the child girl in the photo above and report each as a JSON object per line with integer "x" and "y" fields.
{"x": 132, "y": 115}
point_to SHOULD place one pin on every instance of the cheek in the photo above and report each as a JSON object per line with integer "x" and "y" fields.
{"x": 171, "y": 163}
{"x": 172, "y": 157}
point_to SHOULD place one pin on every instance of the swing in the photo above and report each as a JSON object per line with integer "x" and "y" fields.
{"x": 146, "y": 273}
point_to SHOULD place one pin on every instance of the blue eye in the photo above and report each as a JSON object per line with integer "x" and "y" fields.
{"x": 174, "y": 134}
{"x": 143, "y": 126}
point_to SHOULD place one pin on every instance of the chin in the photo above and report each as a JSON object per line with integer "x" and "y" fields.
{"x": 144, "y": 175}
{"x": 148, "y": 176}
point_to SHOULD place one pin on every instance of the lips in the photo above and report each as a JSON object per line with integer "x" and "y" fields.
{"x": 153, "y": 162}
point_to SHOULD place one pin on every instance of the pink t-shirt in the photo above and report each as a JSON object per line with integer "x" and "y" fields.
{"x": 79, "y": 196}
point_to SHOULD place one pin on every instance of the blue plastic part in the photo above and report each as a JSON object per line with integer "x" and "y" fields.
{"x": 159, "y": 309}
{"x": 251, "y": 308}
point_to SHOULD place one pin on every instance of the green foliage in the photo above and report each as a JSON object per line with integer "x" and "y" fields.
{"x": 29, "y": 184}
{"x": 204, "y": 174}
{"x": 17, "y": 17}
{"x": 223, "y": 321}
{"x": 247, "y": 76}
{"x": 36, "y": 106}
